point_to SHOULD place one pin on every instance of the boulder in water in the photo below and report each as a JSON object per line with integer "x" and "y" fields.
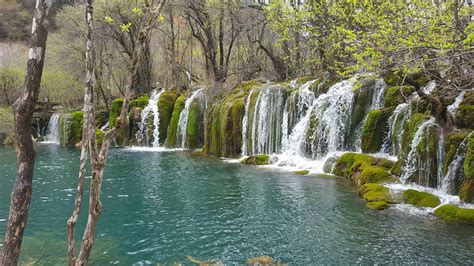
{"x": 376, "y": 193}
{"x": 378, "y": 205}
{"x": 301, "y": 172}
{"x": 454, "y": 213}
{"x": 259, "y": 159}
{"x": 329, "y": 164}
{"x": 420, "y": 199}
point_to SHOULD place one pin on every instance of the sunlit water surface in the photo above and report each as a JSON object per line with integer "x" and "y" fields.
{"x": 160, "y": 207}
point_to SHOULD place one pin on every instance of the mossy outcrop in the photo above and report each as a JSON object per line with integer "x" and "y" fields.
{"x": 465, "y": 112}
{"x": 301, "y": 172}
{"x": 363, "y": 95}
{"x": 259, "y": 159}
{"x": 166, "y": 105}
{"x": 427, "y": 156}
{"x": 453, "y": 140}
{"x": 363, "y": 168}
{"x": 173, "y": 124}
{"x": 99, "y": 134}
{"x": 397, "y": 95}
{"x": 467, "y": 188}
{"x": 195, "y": 126}
{"x": 224, "y": 122}
{"x": 420, "y": 199}
{"x": 374, "y": 129}
{"x": 139, "y": 102}
{"x": 454, "y": 213}
{"x": 377, "y": 196}
{"x": 71, "y": 128}
{"x": 115, "y": 108}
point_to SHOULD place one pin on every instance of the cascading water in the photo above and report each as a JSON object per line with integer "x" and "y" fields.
{"x": 455, "y": 171}
{"x": 411, "y": 162}
{"x": 183, "y": 117}
{"x": 104, "y": 127}
{"x": 151, "y": 108}
{"x": 245, "y": 125}
{"x": 454, "y": 106}
{"x": 396, "y": 123}
{"x": 53, "y": 132}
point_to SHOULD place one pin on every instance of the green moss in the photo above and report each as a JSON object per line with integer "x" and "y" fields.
{"x": 451, "y": 146}
{"x": 467, "y": 188}
{"x": 76, "y": 127}
{"x": 345, "y": 163}
{"x": 409, "y": 131}
{"x": 195, "y": 127}
{"x": 259, "y": 159}
{"x": 421, "y": 199}
{"x": 373, "y": 131}
{"x": 166, "y": 105}
{"x": 99, "y": 136}
{"x": 301, "y": 172}
{"x": 71, "y": 128}
{"x": 115, "y": 108}
{"x": 173, "y": 124}
{"x": 397, "y": 95}
{"x": 140, "y": 102}
{"x": 372, "y": 192}
{"x": 373, "y": 174}
{"x": 378, "y": 205}
{"x": 465, "y": 117}
{"x": 451, "y": 212}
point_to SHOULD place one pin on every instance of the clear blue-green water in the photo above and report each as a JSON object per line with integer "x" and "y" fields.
{"x": 161, "y": 207}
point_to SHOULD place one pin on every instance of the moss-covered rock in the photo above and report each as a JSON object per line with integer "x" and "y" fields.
{"x": 224, "y": 121}
{"x": 427, "y": 156}
{"x": 467, "y": 188}
{"x": 166, "y": 105}
{"x": 373, "y": 131}
{"x": 373, "y": 174}
{"x": 378, "y": 205}
{"x": 71, "y": 128}
{"x": 346, "y": 161}
{"x": 115, "y": 108}
{"x": 363, "y": 94}
{"x": 195, "y": 126}
{"x": 409, "y": 132}
{"x": 453, "y": 213}
{"x": 421, "y": 199}
{"x": 259, "y": 159}
{"x": 139, "y": 102}
{"x": 453, "y": 140}
{"x": 173, "y": 124}
{"x": 376, "y": 193}
{"x": 397, "y": 95}
{"x": 301, "y": 172}
{"x": 465, "y": 112}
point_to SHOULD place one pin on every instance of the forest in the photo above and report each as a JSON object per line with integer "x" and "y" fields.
{"x": 215, "y": 132}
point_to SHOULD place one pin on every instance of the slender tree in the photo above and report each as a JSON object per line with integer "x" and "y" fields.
{"x": 23, "y": 111}
{"x": 89, "y": 145}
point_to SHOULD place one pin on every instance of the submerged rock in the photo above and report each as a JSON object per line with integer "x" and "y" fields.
{"x": 301, "y": 172}
{"x": 259, "y": 159}
{"x": 420, "y": 199}
{"x": 451, "y": 212}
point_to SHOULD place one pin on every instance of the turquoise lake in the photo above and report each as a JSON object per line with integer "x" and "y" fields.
{"x": 159, "y": 207}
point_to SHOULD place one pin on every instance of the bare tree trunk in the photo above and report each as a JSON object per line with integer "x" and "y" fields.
{"x": 25, "y": 149}
{"x": 99, "y": 158}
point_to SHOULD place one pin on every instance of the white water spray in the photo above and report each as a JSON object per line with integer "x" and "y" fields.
{"x": 152, "y": 108}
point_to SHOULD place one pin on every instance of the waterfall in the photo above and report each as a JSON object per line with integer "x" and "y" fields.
{"x": 268, "y": 118}
{"x": 151, "y": 108}
{"x": 104, "y": 127}
{"x": 245, "y": 125}
{"x": 455, "y": 170}
{"x": 377, "y": 98}
{"x": 396, "y": 123}
{"x": 326, "y": 122}
{"x": 53, "y": 132}
{"x": 183, "y": 117}
{"x": 300, "y": 104}
{"x": 454, "y": 106}
{"x": 428, "y": 88}
{"x": 411, "y": 165}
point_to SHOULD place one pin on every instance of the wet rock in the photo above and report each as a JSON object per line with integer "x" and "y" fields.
{"x": 420, "y": 199}
{"x": 329, "y": 164}
{"x": 451, "y": 212}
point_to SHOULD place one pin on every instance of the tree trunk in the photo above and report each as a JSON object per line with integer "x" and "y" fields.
{"x": 23, "y": 112}
{"x": 98, "y": 158}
